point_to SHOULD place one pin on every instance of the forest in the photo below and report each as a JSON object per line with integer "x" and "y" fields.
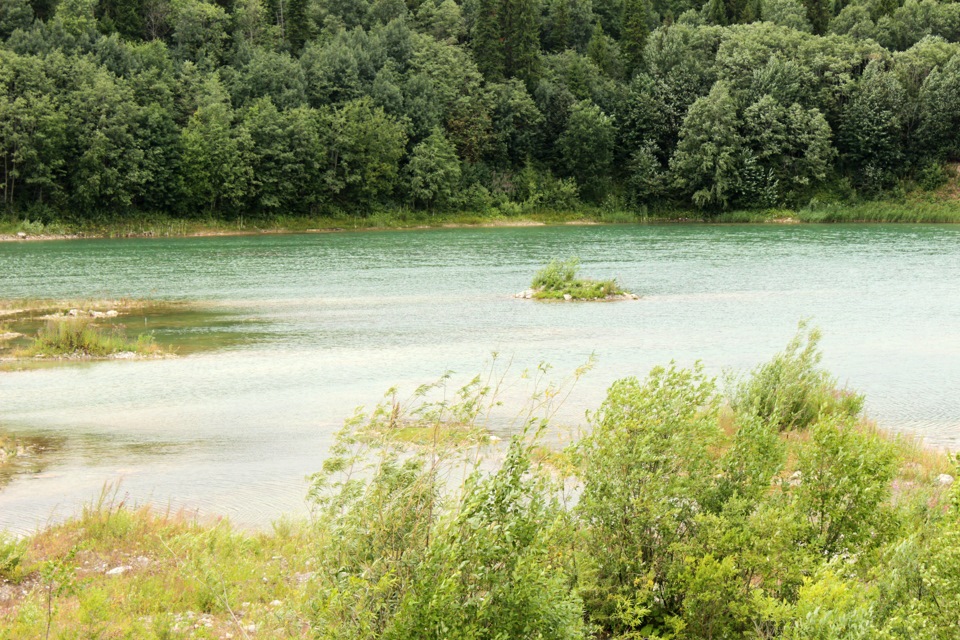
{"x": 186, "y": 108}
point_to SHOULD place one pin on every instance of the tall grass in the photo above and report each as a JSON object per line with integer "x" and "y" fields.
{"x": 82, "y": 338}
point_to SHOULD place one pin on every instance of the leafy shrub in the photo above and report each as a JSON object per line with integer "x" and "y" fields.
{"x": 12, "y": 552}
{"x": 488, "y": 574}
{"x": 792, "y": 391}
{"x": 647, "y": 468}
{"x": 845, "y": 479}
{"x": 559, "y": 279}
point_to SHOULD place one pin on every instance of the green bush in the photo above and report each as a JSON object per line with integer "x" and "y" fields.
{"x": 792, "y": 391}
{"x": 489, "y": 573}
{"x": 648, "y": 469}
{"x": 559, "y": 279}
{"x": 12, "y": 552}
{"x": 844, "y": 483}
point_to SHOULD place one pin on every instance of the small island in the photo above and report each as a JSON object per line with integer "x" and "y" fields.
{"x": 559, "y": 281}
{"x": 71, "y": 330}
{"x": 80, "y": 339}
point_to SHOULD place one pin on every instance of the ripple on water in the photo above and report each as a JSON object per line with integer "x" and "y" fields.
{"x": 336, "y": 319}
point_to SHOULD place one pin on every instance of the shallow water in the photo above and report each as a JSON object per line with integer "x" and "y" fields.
{"x": 332, "y": 320}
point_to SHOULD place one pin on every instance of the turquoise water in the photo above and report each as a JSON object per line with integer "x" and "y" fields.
{"x": 339, "y": 318}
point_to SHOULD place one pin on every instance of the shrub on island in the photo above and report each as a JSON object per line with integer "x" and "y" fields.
{"x": 559, "y": 281}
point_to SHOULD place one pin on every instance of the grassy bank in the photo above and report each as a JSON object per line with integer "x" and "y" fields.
{"x": 771, "y": 509}
{"x": 920, "y": 209}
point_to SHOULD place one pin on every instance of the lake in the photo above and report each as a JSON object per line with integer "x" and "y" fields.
{"x": 322, "y": 323}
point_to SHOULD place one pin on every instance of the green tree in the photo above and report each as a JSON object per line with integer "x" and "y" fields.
{"x": 485, "y": 39}
{"x": 123, "y": 16}
{"x": 846, "y": 476}
{"x": 870, "y": 136}
{"x": 506, "y": 39}
{"x": 647, "y": 472}
{"x": 636, "y": 29}
{"x": 706, "y": 164}
{"x": 216, "y": 162}
{"x": 287, "y": 157}
{"x": 276, "y": 75}
{"x": 586, "y": 145}
{"x": 819, "y": 13}
{"x": 604, "y": 52}
{"x": 14, "y": 14}
{"x": 365, "y": 146}
{"x": 199, "y": 31}
{"x": 106, "y": 170}
{"x": 434, "y": 170}
{"x": 786, "y": 13}
{"x": 938, "y": 132}
{"x": 791, "y": 146}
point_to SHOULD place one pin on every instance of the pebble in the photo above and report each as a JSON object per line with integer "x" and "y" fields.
{"x": 118, "y": 571}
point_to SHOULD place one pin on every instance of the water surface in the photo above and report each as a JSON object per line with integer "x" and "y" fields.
{"x": 336, "y": 319}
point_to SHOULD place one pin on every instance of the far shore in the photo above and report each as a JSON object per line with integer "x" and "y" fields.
{"x": 909, "y": 212}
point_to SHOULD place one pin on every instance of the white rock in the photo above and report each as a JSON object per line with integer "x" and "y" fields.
{"x": 112, "y": 313}
{"x": 119, "y": 571}
{"x": 567, "y": 297}
{"x": 275, "y": 603}
{"x": 73, "y": 312}
{"x": 21, "y": 235}
{"x": 98, "y": 314}
{"x": 796, "y": 479}
{"x": 944, "y": 479}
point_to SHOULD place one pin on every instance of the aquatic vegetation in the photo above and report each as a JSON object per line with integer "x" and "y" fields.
{"x": 81, "y": 338}
{"x": 559, "y": 281}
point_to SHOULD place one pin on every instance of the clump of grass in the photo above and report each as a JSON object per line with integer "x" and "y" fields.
{"x": 81, "y": 338}
{"x": 559, "y": 279}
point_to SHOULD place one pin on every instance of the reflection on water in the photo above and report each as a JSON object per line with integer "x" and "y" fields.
{"x": 22, "y": 454}
{"x": 314, "y": 325}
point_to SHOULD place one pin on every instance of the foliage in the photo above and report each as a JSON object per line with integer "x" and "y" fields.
{"x": 434, "y": 170}
{"x": 559, "y": 279}
{"x": 119, "y": 109}
{"x": 81, "y": 338}
{"x": 680, "y": 515}
{"x": 792, "y": 391}
{"x": 11, "y": 558}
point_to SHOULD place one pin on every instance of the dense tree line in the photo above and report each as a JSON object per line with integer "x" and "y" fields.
{"x": 260, "y": 107}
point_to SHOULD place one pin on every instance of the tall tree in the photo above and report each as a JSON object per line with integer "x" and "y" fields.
{"x": 586, "y": 146}
{"x": 819, "y": 14}
{"x": 434, "y": 170}
{"x": 506, "y": 40}
{"x": 706, "y": 163}
{"x": 485, "y": 40}
{"x": 636, "y": 28}
{"x": 521, "y": 38}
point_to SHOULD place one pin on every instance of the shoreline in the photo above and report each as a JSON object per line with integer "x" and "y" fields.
{"x": 930, "y": 212}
